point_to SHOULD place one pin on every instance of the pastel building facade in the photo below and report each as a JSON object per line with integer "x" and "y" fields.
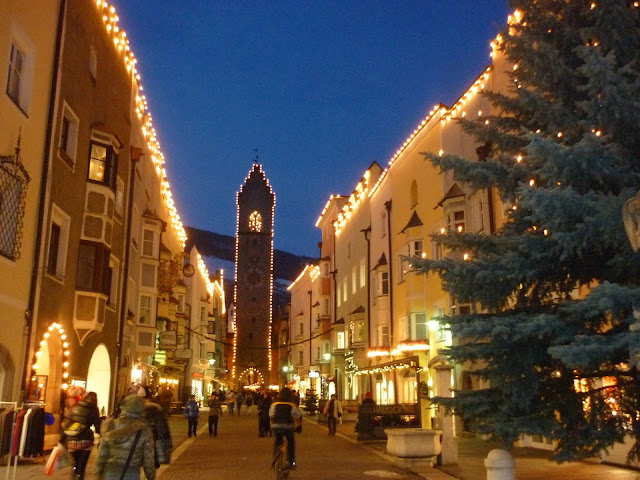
{"x": 27, "y": 52}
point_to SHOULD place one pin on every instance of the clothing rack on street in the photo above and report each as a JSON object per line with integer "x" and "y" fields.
{"x": 16, "y": 445}
{"x": 12, "y": 406}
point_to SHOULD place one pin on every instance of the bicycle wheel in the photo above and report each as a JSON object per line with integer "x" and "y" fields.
{"x": 281, "y": 466}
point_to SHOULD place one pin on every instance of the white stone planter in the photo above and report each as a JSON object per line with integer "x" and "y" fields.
{"x": 413, "y": 442}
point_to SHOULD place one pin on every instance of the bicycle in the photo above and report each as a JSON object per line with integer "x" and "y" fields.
{"x": 280, "y": 462}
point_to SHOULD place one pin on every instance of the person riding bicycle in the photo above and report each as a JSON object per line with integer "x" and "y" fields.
{"x": 285, "y": 419}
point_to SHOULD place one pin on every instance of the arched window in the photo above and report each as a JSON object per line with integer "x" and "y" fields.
{"x": 255, "y": 222}
{"x": 414, "y": 194}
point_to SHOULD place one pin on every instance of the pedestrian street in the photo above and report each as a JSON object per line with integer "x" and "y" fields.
{"x": 238, "y": 453}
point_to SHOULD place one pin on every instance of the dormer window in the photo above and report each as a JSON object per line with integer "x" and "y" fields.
{"x": 255, "y": 222}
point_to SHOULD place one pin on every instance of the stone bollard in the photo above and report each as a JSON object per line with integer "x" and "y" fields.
{"x": 500, "y": 465}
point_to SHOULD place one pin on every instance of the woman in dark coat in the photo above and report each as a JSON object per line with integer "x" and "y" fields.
{"x": 155, "y": 418}
{"x": 77, "y": 435}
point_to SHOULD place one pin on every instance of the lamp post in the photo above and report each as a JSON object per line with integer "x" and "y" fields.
{"x": 631, "y": 220}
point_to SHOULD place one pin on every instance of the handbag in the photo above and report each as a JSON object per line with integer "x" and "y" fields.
{"x": 74, "y": 429}
{"x": 133, "y": 449}
{"x": 58, "y": 459}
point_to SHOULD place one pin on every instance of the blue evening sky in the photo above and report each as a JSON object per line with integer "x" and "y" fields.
{"x": 321, "y": 88}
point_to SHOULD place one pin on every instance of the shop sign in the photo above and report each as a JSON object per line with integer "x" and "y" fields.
{"x": 183, "y": 354}
{"x": 197, "y": 375}
{"x": 168, "y": 340}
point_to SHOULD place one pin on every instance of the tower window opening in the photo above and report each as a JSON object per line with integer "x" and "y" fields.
{"x": 255, "y": 222}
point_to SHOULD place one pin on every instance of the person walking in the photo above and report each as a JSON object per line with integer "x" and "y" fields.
{"x": 366, "y": 412}
{"x": 215, "y": 410}
{"x": 239, "y": 402}
{"x": 77, "y": 436}
{"x": 333, "y": 411}
{"x": 155, "y": 418}
{"x": 296, "y": 398}
{"x": 368, "y": 399}
{"x": 164, "y": 400}
{"x": 264, "y": 403}
{"x": 248, "y": 402}
{"x": 126, "y": 444}
{"x": 285, "y": 419}
{"x": 231, "y": 401}
{"x": 191, "y": 413}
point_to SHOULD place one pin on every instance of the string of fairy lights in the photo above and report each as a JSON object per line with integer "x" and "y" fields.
{"x": 270, "y": 348}
{"x": 361, "y": 191}
{"x": 110, "y": 21}
{"x": 445, "y": 115}
{"x": 54, "y": 328}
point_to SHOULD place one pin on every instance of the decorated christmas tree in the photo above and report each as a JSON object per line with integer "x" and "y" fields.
{"x": 311, "y": 402}
{"x": 551, "y": 332}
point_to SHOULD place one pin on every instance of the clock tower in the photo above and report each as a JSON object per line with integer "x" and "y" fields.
{"x": 254, "y": 280}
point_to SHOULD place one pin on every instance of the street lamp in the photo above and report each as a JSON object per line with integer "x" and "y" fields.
{"x": 285, "y": 373}
{"x": 631, "y": 221}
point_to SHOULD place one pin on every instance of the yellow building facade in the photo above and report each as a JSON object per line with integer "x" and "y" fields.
{"x": 27, "y": 53}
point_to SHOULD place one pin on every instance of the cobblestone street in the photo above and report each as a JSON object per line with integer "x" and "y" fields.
{"x": 239, "y": 453}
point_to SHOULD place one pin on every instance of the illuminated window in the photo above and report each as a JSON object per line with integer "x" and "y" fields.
{"x": 339, "y": 340}
{"x": 455, "y": 220}
{"x": 359, "y": 331}
{"x": 255, "y": 222}
{"x": 103, "y": 164}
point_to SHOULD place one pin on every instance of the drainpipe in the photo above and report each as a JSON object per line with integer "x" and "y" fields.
{"x": 135, "y": 155}
{"x": 387, "y": 206}
{"x": 29, "y": 313}
{"x": 334, "y": 273}
{"x": 366, "y": 232}
{"x": 310, "y": 332}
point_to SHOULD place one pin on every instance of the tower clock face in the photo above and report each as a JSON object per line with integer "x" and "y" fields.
{"x": 254, "y": 308}
{"x": 255, "y": 276}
